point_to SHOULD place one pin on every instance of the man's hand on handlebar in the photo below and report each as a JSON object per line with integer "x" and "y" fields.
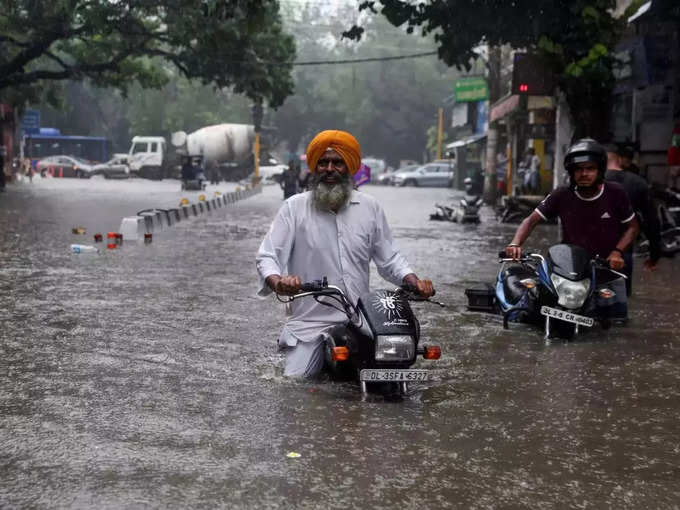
{"x": 288, "y": 285}
{"x": 513, "y": 251}
{"x": 615, "y": 260}
{"x": 423, "y": 287}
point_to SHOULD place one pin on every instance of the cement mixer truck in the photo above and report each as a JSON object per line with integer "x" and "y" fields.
{"x": 226, "y": 149}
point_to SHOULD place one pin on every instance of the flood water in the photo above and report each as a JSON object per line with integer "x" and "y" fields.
{"x": 148, "y": 376}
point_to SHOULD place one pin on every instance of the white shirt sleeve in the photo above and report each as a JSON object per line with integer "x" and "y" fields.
{"x": 391, "y": 264}
{"x": 274, "y": 252}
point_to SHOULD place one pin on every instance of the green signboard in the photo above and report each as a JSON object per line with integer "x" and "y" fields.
{"x": 470, "y": 89}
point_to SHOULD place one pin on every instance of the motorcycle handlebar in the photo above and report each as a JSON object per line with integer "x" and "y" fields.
{"x": 314, "y": 285}
{"x": 601, "y": 263}
{"x": 412, "y": 291}
{"x": 503, "y": 256}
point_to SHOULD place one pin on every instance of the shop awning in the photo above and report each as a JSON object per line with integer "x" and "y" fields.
{"x": 466, "y": 141}
{"x": 503, "y": 107}
{"x": 642, "y": 10}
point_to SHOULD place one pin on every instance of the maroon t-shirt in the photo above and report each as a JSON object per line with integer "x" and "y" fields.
{"x": 595, "y": 223}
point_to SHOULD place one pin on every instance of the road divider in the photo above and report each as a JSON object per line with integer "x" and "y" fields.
{"x": 148, "y": 221}
{"x": 133, "y": 227}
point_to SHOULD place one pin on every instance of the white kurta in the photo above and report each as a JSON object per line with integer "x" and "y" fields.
{"x": 311, "y": 244}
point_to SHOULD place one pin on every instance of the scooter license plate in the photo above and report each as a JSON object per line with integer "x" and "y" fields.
{"x": 567, "y": 316}
{"x": 396, "y": 375}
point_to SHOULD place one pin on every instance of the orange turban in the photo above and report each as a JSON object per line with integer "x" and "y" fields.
{"x": 341, "y": 142}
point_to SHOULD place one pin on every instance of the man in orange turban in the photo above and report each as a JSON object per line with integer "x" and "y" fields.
{"x": 334, "y": 231}
{"x": 343, "y": 143}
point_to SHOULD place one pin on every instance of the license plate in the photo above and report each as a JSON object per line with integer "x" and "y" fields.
{"x": 567, "y": 316}
{"x": 379, "y": 375}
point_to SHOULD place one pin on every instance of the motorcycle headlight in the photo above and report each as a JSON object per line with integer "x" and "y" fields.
{"x": 570, "y": 294}
{"x": 394, "y": 348}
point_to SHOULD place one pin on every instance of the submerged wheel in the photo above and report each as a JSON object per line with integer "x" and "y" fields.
{"x": 411, "y": 182}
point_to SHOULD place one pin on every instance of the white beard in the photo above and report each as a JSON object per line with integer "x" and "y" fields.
{"x": 331, "y": 197}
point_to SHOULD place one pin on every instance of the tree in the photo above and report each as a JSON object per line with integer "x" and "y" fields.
{"x": 179, "y": 105}
{"x": 232, "y": 44}
{"x": 387, "y": 105}
{"x": 576, "y": 37}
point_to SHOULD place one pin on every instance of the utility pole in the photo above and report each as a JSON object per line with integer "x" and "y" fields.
{"x": 257, "y": 123}
{"x": 440, "y": 122}
{"x": 494, "y": 71}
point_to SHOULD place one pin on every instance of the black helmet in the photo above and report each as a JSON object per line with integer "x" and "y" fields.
{"x": 583, "y": 151}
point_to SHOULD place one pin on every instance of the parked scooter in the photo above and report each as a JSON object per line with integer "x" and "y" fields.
{"x": 558, "y": 290}
{"x": 515, "y": 208}
{"x": 467, "y": 210}
{"x": 381, "y": 339}
{"x": 667, "y": 207}
{"x": 667, "y": 203}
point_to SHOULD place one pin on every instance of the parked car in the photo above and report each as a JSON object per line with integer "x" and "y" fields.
{"x": 271, "y": 173}
{"x": 430, "y": 174}
{"x": 64, "y": 166}
{"x": 387, "y": 178}
{"x": 115, "y": 168}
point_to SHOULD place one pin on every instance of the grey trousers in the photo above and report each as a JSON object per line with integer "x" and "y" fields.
{"x": 305, "y": 359}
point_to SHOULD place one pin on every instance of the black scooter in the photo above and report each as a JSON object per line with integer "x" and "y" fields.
{"x": 380, "y": 341}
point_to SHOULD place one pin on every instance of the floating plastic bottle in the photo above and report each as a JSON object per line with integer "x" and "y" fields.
{"x": 83, "y": 248}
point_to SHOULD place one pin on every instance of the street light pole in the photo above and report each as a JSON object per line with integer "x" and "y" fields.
{"x": 256, "y": 155}
{"x": 257, "y": 124}
{"x": 440, "y": 122}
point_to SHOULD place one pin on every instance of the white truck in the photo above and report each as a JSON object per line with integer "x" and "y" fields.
{"x": 223, "y": 146}
{"x": 147, "y": 157}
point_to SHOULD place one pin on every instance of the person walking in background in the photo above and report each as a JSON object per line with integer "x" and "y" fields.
{"x": 626, "y": 154}
{"x": 28, "y": 169}
{"x": 2, "y": 168}
{"x": 290, "y": 180}
{"x": 638, "y": 193}
{"x": 531, "y": 176}
{"x": 501, "y": 172}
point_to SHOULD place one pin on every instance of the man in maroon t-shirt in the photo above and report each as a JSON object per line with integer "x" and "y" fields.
{"x": 595, "y": 214}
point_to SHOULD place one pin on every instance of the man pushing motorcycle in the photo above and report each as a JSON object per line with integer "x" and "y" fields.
{"x": 595, "y": 214}
{"x": 332, "y": 231}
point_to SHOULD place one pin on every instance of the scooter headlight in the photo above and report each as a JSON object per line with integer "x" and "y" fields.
{"x": 570, "y": 294}
{"x": 394, "y": 348}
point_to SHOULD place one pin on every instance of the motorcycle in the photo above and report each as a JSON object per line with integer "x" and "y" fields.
{"x": 562, "y": 290}
{"x": 192, "y": 176}
{"x": 467, "y": 210}
{"x": 667, "y": 208}
{"x": 667, "y": 203}
{"x": 515, "y": 208}
{"x": 380, "y": 341}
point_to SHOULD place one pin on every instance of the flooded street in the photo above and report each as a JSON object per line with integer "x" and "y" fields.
{"x": 148, "y": 376}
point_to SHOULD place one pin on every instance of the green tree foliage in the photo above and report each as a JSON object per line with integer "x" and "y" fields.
{"x": 236, "y": 44}
{"x": 179, "y": 105}
{"x": 388, "y": 105}
{"x": 576, "y": 37}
